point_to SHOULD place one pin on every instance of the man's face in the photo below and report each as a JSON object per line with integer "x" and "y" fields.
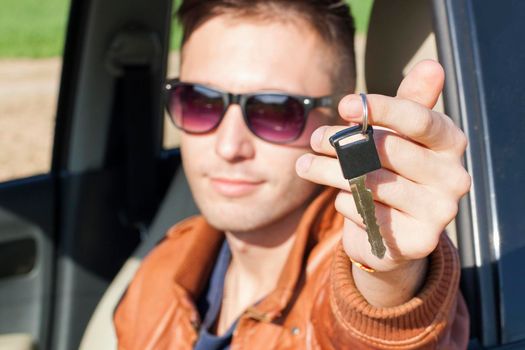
{"x": 240, "y": 182}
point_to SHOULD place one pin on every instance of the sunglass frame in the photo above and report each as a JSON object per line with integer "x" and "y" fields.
{"x": 309, "y": 103}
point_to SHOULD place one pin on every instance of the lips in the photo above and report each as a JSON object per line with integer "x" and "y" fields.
{"x": 233, "y": 188}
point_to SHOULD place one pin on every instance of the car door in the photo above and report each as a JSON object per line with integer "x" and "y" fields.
{"x": 27, "y": 250}
{"x": 65, "y": 232}
{"x": 482, "y": 49}
{"x": 28, "y": 182}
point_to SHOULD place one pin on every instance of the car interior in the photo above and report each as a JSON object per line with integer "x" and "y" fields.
{"x": 383, "y": 75}
{"x": 117, "y": 189}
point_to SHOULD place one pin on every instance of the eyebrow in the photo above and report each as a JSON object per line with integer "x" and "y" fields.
{"x": 267, "y": 89}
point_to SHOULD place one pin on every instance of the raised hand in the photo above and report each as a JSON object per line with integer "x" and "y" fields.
{"x": 417, "y": 191}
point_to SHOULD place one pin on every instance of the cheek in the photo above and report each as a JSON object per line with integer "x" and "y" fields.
{"x": 186, "y": 147}
{"x": 193, "y": 150}
{"x": 315, "y": 120}
{"x": 279, "y": 166}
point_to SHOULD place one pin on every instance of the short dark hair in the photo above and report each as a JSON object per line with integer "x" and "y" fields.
{"x": 331, "y": 20}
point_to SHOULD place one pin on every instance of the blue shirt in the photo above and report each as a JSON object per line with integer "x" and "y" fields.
{"x": 210, "y": 305}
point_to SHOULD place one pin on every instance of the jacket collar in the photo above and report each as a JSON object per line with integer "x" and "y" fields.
{"x": 206, "y": 242}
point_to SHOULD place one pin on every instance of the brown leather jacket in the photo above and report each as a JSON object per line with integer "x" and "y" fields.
{"x": 314, "y": 306}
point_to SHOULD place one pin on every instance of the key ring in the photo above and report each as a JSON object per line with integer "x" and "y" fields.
{"x": 365, "y": 112}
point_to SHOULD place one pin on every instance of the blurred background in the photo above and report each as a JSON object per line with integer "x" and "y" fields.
{"x": 32, "y": 34}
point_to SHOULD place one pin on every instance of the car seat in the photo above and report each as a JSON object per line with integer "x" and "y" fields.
{"x": 399, "y": 35}
{"x": 177, "y": 204}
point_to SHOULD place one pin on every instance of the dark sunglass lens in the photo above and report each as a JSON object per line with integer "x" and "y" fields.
{"x": 195, "y": 109}
{"x": 275, "y": 118}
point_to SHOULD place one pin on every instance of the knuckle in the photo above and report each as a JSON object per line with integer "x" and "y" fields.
{"x": 391, "y": 144}
{"x": 465, "y": 182}
{"x": 397, "y": 189}
{"x": 461, "y": 141}
{"x": 393, "y": 147}
{"x": 447, "y": 211}
{"x": 433, "y": 240}
{"x": 461, "y": 182}
{"x": 432, "y": 236}
{"x": 424, "y": 124}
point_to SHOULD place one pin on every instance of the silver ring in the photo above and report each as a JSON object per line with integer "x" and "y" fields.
{"x": 365, "y": 112}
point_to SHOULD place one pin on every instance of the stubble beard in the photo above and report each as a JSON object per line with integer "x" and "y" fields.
{"x": 244, "y": 215}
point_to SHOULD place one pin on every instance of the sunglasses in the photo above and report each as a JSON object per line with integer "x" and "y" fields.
{"x": 272, "y": 116}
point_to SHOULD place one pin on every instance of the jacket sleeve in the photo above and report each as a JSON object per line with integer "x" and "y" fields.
{"x": 436, "y": 318}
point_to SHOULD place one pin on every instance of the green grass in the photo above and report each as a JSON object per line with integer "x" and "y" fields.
{"x": 36, "y": 28}
{"x": 32, "y": 28}
{"x": 361, "y": 12}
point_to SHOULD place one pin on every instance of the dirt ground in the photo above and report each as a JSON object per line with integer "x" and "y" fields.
{"x": 28, "y": 98}
{"x": 28, "y": 95}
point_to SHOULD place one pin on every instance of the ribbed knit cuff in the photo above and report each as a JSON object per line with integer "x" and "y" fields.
{"x": 414, "y": 324}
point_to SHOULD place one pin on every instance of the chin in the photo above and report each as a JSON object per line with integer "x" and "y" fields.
{"x": 233, "y": 217}
{"x": 258, "y": 209}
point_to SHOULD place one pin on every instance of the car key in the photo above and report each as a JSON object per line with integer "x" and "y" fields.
{"x": 358, "y": 158}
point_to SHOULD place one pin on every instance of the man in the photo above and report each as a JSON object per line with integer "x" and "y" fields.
{"x": 269, "y": 263}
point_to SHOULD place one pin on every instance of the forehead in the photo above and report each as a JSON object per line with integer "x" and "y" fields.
{"x": 243, "y": 55}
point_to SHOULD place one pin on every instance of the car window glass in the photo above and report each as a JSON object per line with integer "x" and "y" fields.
{"x": 171, "y": 137}
{"x": 32, "y": 36}
{"x": 360, "y": 10}
{"x": 501, "y": 54}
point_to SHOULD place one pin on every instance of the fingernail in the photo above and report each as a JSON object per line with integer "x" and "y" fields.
{"x": 303, "y": 163}
{"x": 352, "y": 109}
{"x": 317, "y": 136}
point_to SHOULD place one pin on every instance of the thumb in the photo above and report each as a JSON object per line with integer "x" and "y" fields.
{"x": 423, "y": 84}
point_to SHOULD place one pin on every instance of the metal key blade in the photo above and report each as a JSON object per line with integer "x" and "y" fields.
{"x": 366, "y": 208}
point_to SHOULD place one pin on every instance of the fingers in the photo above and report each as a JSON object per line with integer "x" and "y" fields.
{"x": 411, "y": 119}
{"x": 410, "y": 114}
{"x": 387, "y": 187}
{"x": 423, "y": 84}
{"x": 320, "y": 139}
{"x": 416, "y": 192}
{"x": 404, "y": 236}
{"x": 399, "y": 155}
{"x": 420, "y": 164}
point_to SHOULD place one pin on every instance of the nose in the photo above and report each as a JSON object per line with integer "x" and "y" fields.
{"x": 234, "y": 140}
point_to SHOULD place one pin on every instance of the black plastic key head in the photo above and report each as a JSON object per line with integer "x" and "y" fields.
{"x": 359, "y": 157}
